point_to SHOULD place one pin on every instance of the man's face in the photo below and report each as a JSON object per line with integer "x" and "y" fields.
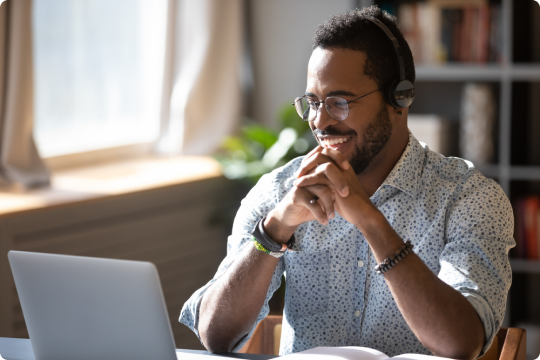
{"x": 367, "y": 129}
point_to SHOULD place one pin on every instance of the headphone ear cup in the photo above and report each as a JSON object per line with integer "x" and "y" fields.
{"x": 390, "y": 90}
{"x": 401, "y": 93}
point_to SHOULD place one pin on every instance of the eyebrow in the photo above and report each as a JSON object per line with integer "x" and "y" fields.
{"x": 333, "y": 93}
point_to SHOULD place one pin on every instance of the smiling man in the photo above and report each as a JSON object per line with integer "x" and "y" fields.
{"x": 383, "y": 242}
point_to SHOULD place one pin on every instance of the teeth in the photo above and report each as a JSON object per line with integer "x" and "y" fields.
{"x": 335, "y": 141}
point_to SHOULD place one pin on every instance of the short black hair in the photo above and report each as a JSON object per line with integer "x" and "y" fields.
{"x": 351, "y": 30}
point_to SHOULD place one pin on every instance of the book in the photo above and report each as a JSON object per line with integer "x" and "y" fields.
{"x": 519, "y": 233}
{"x": 530, "y": 214}
{"x": 483, "y": 33}
{"x": 527, "y": 228}
{"x": 467, "y": 34}
{"x": 439, "y": 31}
{"x": 408, "y": 24}
{"x": 435, "y": 131}
{"x": 352, "y": 353}
{"x": 538, "y": 231}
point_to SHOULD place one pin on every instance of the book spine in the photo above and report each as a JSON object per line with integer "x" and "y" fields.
{"x": 408, "y": 24}
{"x": 459, "y": 31}
{"x": 446, "y": 35}
{"x": 466, "y": 32}
{"x": 475, "y": 32}
{"x": 424, "y": 32}
{"x": 457, "y": 28}
{"x": 499, "y": 34}
{"x": 520, "y": 237}
{"x": 532, "y": 204}
{"x": 538, "y": 231}
{"x": 483, "y": 33}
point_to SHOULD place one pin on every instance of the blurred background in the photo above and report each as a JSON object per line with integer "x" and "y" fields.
{"x": 133, "y": 128}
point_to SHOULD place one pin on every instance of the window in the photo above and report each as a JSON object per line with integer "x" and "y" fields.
{"x": 98, "y": 70}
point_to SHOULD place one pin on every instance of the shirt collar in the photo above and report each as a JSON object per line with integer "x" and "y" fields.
{"x": 406, "y": 174}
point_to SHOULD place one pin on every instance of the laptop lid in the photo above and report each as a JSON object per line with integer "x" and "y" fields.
{"x": 91, "y": 308}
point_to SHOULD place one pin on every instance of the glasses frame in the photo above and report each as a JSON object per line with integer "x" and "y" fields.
{"x": 318, "y": 105}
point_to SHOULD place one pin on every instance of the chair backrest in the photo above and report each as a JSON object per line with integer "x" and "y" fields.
{"x": 509, "y": 344}
{"x": 512, "y": 344}
{"x": 266, "y": 338}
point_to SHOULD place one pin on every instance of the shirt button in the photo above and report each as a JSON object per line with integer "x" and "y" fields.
{"x": 357, "y": 313}
{"x": 361, "y": 263}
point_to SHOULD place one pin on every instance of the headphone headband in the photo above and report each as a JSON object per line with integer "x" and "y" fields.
{"x": 395, "y": 42}
{"x": 401, "y": 91}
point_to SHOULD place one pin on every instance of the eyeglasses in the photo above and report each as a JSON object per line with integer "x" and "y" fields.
{"x": 337, "y": 107}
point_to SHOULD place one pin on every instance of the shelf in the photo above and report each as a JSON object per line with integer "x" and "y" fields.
{"x": 525, "y": 172}
{"x": 486, "y": 72}
{"x": 514, "y": 172}
{"x": 525, "y": 72}
{"x": 525, "y": 266}
{"x": 490, "y": 171}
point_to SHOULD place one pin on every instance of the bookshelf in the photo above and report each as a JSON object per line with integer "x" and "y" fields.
{"x": 516, "y": 167}
{"x": 525, "y": 266}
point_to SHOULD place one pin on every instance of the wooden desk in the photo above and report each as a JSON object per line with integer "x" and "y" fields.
{"x": 21, "y": 349}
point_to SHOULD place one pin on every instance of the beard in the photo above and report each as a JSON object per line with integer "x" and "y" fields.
{"x": 375, "y": 136}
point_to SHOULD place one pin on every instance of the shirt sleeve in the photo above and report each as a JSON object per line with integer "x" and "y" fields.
{"x": 475, "y": 259}
{"x": 270, "y": 189}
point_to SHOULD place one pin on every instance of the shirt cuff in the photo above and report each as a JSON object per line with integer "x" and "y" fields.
{"x": 486, "y": 316}
{"x": 189, "y": 315}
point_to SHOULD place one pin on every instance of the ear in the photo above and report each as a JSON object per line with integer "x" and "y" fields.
{"x": 399, "y": 113}
{"x": 399, "y": 117}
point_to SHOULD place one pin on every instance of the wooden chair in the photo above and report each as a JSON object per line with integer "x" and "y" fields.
{"x": 509, "y": 344}
{"x": 266, "y": 338}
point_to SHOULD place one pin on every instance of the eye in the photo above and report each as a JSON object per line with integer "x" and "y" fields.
{"x": 312, "y": 104}
{"x": 339, "y": 103}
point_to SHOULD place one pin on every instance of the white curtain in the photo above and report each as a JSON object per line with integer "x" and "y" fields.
{"x": 201, "y": 92}
{"x": 19, "y": 158}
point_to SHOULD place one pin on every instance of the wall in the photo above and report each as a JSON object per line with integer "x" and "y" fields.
{"x": 281, "y": 34}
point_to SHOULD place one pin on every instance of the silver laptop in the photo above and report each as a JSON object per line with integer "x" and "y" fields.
{"x": 90, "y": 308}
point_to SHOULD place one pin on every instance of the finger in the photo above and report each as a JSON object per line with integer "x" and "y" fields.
{"x": 336, "y": 176}
{"x": 311, "y": 202}
{"x": 308, "y": 157}
{"x": 316, "y": 149}
{"x": 337, "y": 157}
{"x": 325, "y": 201}
{"x": 312, "y": 162}
{"x": 327, "y": 174}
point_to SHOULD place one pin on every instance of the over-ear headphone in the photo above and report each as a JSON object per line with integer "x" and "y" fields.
{"x": 400, "y": 91}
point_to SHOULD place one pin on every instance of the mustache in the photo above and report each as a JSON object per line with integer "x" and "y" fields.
{"x": 329, "y": 131}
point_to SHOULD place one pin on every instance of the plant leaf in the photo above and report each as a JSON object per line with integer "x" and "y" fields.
{"x": 260, "y": 134}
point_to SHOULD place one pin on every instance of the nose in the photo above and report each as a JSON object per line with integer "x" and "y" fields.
{"x": 323, "y": 119}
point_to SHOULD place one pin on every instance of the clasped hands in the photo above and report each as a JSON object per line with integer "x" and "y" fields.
{"x": 326, "y": 176}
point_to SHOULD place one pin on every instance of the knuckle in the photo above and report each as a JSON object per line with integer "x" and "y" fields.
{"x": 325, "y": 190}
{"x": 326, "y": 166}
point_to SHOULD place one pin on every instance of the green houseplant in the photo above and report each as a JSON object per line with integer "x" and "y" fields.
{"x": 258, "y": 149}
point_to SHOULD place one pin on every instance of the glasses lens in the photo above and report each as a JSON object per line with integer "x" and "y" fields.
{"x": 337, "y": 107}
{"x": 305, "y": 109}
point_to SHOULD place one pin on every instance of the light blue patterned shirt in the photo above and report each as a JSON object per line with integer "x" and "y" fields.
{"x": 460, "y": 223}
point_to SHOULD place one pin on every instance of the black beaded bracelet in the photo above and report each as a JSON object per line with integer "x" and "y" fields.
{"x": 389, "y": 262}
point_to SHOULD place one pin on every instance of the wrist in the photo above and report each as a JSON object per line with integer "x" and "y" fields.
{"x": 275, "y": 229}
{"x": 381, "y": 237}
{"x": 369, "y": 219}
